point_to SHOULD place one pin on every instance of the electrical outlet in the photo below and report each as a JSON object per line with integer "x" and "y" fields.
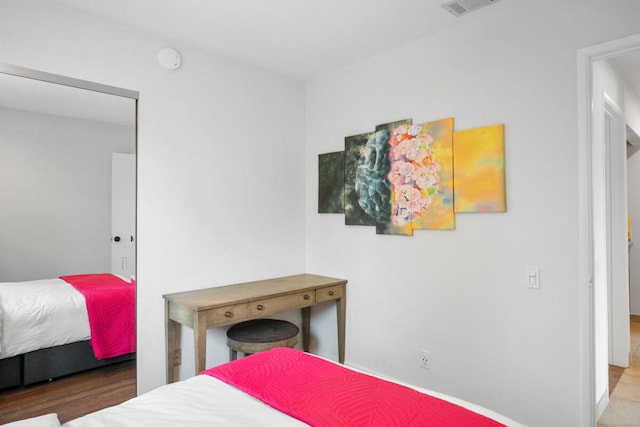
{"x": 425, "y": 359}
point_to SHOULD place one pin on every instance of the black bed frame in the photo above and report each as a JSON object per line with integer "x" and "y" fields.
{"x": 53, "y": 362}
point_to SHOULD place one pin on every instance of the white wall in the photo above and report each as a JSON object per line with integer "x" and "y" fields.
{"x": 460, "y": 293}
{"x": 220, "y": 173}
{"x": 55, "y": 193}
{"x": 632, "y": 106}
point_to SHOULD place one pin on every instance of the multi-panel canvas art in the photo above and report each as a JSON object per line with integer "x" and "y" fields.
{"x": 406, "y": 176}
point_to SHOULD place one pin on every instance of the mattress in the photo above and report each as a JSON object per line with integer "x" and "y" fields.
{"x": 197, "y": 401}
{"x": 39, "y": 314}
{"x": 204, "y": 400}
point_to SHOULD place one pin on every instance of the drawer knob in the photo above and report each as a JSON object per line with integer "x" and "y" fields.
{"x": 331, "y": 293}
{"x": 306, "y": 296}
{"x": 228, "y": 314}
{"x": 260, "y": 307}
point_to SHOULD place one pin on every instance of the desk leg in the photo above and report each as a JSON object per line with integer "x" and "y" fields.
{"x": 200, "y": 341}
{"x": 172, "y": 330}
{"x": 306, "y": 321}
{"x": 341, "y": 310}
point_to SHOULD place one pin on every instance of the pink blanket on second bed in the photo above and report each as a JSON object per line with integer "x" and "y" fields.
{"x": 111, "y": 307}
{"x": 322, "y": 393}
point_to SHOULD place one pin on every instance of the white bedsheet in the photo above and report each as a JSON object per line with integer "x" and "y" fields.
{"x": 40, "y": 313}
{"x": 206, "y": 401}
{"x": 198, "y": 401}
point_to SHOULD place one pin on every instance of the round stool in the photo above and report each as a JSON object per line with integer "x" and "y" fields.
{"x": 258, "y": 335}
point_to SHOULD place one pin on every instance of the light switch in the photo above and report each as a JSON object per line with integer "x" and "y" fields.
{"x": 532, "y": 280}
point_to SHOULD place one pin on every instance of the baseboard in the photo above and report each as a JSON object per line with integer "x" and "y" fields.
{"x": 635, "y": 317}
{"x": 602, "y": 404}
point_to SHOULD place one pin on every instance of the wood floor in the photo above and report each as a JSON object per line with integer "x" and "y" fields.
{"x": 73, "y": 396}
{"x": 624, "y": 388}
{"x": 615, "y": 373}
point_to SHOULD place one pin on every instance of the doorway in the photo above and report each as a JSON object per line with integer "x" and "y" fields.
{"x": 603, "y": 226}
{"x": 123, "y": 214}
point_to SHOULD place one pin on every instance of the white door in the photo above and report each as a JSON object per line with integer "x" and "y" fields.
{"x": 617, "y": 241}
{"x": 123, "y": 214}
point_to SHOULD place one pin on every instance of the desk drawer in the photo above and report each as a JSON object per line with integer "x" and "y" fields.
{"x": 329, "y": 293}
{"x": 267, "y": 306}
{"x": 224, "y": 315}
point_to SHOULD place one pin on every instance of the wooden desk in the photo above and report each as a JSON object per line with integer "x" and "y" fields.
{"x": 226, "y": 305}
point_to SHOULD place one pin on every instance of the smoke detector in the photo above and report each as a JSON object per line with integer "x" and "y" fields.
{"x": 461, "y": 7}
{"x": 169, "y": 58}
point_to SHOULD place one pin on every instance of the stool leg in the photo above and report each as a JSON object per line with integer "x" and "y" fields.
{"x": 233, "y": 355}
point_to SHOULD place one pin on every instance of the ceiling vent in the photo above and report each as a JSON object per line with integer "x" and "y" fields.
{"x": 461, "y": 7}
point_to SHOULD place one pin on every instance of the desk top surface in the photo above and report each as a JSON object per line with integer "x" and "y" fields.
{"x": 205, "y": 299}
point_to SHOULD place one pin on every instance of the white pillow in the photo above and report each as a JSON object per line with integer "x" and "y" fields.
{"x": 49, "y": 420}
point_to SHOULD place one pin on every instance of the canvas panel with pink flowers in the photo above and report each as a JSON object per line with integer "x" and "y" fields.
{"x": 404, "y": 177}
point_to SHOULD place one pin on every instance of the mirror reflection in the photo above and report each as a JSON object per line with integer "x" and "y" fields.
{"x": 67, "y": 230}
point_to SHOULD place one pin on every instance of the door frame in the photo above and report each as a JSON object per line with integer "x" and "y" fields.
{"x": 585, "y": 60}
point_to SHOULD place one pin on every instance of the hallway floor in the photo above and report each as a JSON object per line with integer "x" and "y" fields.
{"x": 624, "y": 402}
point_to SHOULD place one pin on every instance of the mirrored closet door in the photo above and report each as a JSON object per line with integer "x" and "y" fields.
{"x": 67, "y": 222}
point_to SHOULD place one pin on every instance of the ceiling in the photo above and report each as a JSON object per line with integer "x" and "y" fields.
{"x": 300, "y": 38}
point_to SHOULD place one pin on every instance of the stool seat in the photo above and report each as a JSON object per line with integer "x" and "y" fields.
{"x": 258, "y": 335}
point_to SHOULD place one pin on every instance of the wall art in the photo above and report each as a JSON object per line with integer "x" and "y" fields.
{"x": 404, "y": 177}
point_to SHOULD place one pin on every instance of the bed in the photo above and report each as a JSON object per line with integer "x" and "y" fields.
{"x": 55, "y": 327}
{"x": 286, "y": 387}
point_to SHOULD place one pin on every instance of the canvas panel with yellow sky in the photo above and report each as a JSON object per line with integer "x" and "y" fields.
{"x": 479, "y": 171}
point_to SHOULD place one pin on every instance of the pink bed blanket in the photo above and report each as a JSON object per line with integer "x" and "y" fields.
{"x": 322, "y": 393}
{"x": 111, "y": 307}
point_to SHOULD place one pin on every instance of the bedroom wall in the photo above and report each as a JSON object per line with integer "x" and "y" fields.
{"x": 220, "y": 173}
{"x": 460, "y": 294}
{"x": 55, "y": 189}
